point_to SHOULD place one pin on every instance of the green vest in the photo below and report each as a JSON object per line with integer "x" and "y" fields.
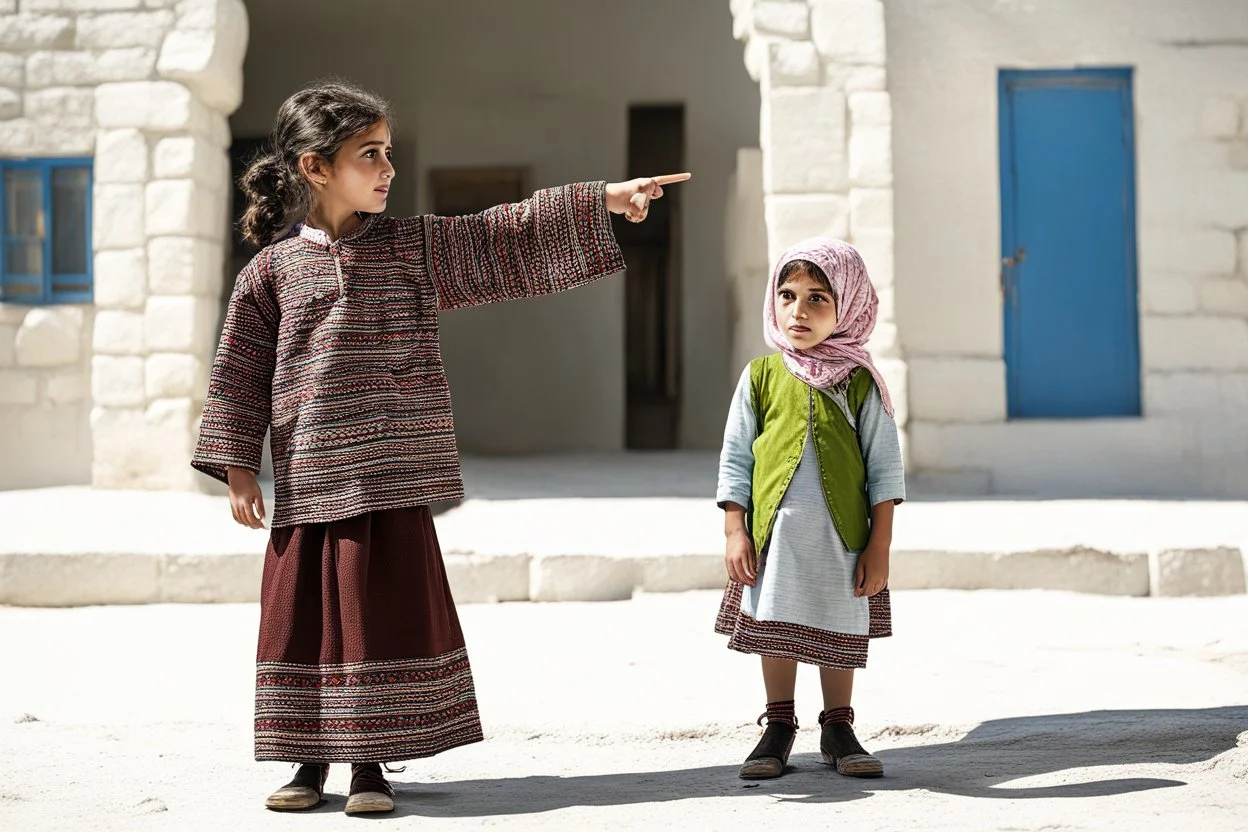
{"x": 783, "y": 407}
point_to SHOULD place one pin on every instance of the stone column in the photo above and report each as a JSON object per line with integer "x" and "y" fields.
{"x": 826, "y": 137}
{"x": 162, "y": 219}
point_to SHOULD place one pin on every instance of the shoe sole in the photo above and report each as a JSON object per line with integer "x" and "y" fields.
{"x": 855, "y": 765}
{"x": 368, "y": 803}
{"x": 768, "y": 768}
{"x": 294, "y": 801}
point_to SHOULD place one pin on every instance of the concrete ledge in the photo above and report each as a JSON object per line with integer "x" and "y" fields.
{"x": 1188, "y": 572}
{"x": 1073, "y": 570}
{"x": 191, "y": 579}
{"x": 78, "y": 580}
{"x": 583, "y": 578}
{"x": 484, "y": 579}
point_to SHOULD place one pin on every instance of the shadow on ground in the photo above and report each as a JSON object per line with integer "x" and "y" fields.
{"x": 980, "y": 765}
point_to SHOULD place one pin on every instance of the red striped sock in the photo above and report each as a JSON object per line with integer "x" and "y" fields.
{"x": 782, "y": 712}
{"x": 837, "y": 715}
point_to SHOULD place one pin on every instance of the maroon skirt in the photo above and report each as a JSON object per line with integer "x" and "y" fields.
{"x": 361, "y": 658}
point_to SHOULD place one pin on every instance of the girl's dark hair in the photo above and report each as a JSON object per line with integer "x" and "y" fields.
{"x": 795, "y": 268}
{"x": 318, "y": 119}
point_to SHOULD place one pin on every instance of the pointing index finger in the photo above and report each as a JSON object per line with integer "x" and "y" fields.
{"x": 669, "y": 178}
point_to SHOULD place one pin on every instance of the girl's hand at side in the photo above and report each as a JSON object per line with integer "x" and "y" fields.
{"x": 246, "y": 501}
{"x": 871, "y": 573}
{"x": 632, "y": 198}
{"x": 740, "y": 559}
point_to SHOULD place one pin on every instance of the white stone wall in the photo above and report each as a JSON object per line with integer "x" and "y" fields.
{"x": 111, "y": 393}
{"x": 1191, "y": 105}
{"x": 826, "y": 137}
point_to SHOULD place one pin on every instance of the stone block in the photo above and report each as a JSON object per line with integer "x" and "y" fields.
{"x": 24, "y": 32}
{"x": 1198, "y": 572}
{"x": 681, "y": 573}
{"x": 870, "y": 109}
{"x": 803, "y": 136}
{"x": 45, "y": 69}
{"x": 1077, "y": 569}
{"x": 877, "y": 253}
{"x": 1237, "y": 155}
{"x": 149, "y": 105}
{"x": 117, "y": 381}
{"x": 1188, "y": 251}
{"x": 582, "y": 578}
{"x": 1170, "y": 393}
{"x": 486, "y": 579}
{"x": 122, "y": 29}
{"x": 1169, "y": 294}
{"x": 60, "y": 107}
{"x": 896, "y": 374}
{"x": 193, "y": 158}
{"x": 12, "y": 70}
{"x": 67, "y": 388}
{"x": 8, "y": 350}
{"x": 121, "y": 452}
{"x": 10, "y": 104}
{"x": 790, "y": 20}
{"x": 1224, "y": 296}
{"x": 50, "y": 337}
{"x": 793, "y": 64}
{"x": 1243, "y": 254}
{"x": 866, "y": 79}
{"x": 210, "y": 579}
{"x": 180, "y": 323}
{"x": 1194, "y": 343}
{"x": 957, "y": 389}
{"x": 884, "y": 342}
{"x": 849, "y": 31}
{"x": 35, "y": 580}
{"x": 1219, "y": 118}
{"x": 121, "y": 157}
{"x": 17, "y": 137}
{"x": 181, "y": 207}
{"x": 118, "y": 218}
{"x": 18, "y": 387}
{"x": 63, "y": 141}
{"x": 80, "y": 5}
{"x": 871, "y": 156}
{"x": 185, "y": 266}
{"x": 175, "y": 375}
{"x": 791, "y": 219}
{"x": 119, "y": 332}
{"x": 121, "y": 279}
{"x": 206, "y": 49}
{"x": 870, "y": 211}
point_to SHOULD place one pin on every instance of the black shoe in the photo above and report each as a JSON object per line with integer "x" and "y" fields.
{"x": 304, "y": 792}
{"x": 370, "y": 792}
{"x": 841, "y": 750}
{"x": 771, "y": 755}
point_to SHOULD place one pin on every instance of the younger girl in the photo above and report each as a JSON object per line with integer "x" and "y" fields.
{"x": 331, "y": 345}
{"x": 808, "y": 476}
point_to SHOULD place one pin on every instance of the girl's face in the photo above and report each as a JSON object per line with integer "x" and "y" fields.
{"x": 805, "y": 311}
{"x": 361, "y": 172}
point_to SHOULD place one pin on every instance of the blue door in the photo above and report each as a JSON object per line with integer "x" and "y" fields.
{"x": 1068, "y": 273}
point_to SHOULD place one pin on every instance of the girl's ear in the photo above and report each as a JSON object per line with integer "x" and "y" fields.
{"x": 314, "y": 169}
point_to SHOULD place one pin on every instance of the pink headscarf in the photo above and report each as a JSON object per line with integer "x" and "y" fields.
{"x": 828, "y": 364}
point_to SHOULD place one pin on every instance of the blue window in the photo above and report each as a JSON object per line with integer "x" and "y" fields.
{"x": 45, "y": 231}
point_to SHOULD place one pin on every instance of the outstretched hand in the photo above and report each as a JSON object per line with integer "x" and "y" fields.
{"x": 632, "y": 198}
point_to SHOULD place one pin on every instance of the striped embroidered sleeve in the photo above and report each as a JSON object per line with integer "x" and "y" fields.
{"x": 557, "y": 239}
{"x": 238, "y": 407}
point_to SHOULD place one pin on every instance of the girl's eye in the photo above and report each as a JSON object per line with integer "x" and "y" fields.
{"x": 370, "y": 154}
{"x": 816, "y": 298}
{"x": 785, "y": 294}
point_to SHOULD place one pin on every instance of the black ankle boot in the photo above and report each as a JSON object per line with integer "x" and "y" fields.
{"x": 841, "y": 750}
{"x": 771, "y": 755}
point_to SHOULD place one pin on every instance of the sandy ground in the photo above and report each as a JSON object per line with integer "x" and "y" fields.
{"x": 992, "y": 711}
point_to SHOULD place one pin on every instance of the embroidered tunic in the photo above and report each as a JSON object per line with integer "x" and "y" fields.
{"x": 333, "y": 347}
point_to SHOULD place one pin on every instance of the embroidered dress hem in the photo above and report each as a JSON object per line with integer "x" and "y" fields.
{"x": 796, "y": 642}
